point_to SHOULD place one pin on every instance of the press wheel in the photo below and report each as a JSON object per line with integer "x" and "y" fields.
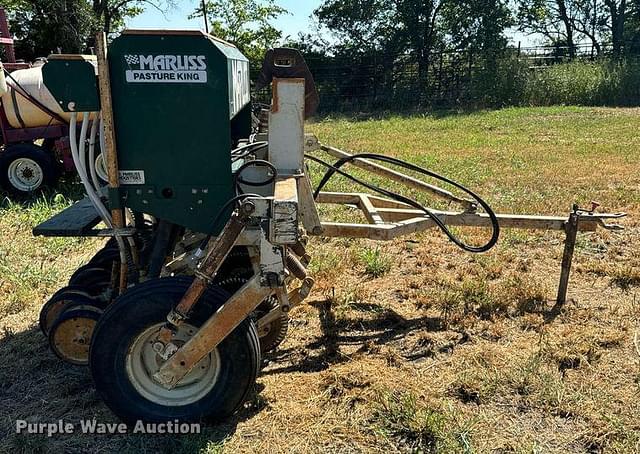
{"x": 58, "y": 302}
{"x": 70, "y": 334}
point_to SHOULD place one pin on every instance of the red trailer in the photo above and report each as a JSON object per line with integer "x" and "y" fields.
{"x": 30, "y": 157}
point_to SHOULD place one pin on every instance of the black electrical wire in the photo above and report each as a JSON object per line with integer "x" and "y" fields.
{"x": 223, "y": 210}
{"x": 256, "y": 163}
{"x": 240, "y": 149}
{"x": 333, "y": 169}
{"x": 250, "y": 152}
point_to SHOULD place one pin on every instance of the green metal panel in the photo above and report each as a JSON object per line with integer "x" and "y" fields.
{"x": 72, "y": 80}
{"x": 173, "y": 100}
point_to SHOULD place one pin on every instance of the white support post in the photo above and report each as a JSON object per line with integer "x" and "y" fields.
{"x": 286, "y": 126}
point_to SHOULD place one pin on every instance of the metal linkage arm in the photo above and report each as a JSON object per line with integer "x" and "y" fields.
{"x": 203, "y": 276}
{"x": 219, "y": 326}
{"x": 390, "y": 219}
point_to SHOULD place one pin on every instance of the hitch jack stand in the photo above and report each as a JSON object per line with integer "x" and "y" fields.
{"x": 571, "y": 231}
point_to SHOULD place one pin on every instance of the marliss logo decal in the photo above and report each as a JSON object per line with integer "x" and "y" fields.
{"x": 166, "y": 69}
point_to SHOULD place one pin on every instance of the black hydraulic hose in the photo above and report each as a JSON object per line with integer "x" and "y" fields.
{"x": 251, "y": 152}
{"x": 256, "y": 163}
{"x": 332, "y": 169}
{"x": 385, "y": 192}
{"x": 251, "y": 148}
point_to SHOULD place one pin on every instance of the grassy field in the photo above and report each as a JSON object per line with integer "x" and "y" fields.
{"x": 411, "y": 345}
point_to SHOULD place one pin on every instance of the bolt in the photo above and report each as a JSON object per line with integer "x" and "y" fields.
{"x": 158, "y": 347}
{"x": 248, "y": 208}
{"x": 317, "y": 230}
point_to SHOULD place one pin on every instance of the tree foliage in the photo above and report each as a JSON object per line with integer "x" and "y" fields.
{"x": 245, "y": 23}
{"x": 419, "y": 29}
{"x": 569, "y": 22}
{"x": 45, "y": 26}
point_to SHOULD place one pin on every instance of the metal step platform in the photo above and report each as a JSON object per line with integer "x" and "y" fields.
{"x": 77, "y": 220}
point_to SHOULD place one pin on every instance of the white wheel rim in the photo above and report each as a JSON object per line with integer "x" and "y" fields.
{"x": 143, "y": 362}
{"x": 25, "y": 174}
{"x": 101, "y": 168}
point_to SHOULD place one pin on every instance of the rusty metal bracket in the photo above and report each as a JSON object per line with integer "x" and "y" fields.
{"x": 205, "y": 273}
{"x": 214, "y": 330}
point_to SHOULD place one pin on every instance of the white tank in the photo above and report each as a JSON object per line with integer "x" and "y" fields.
{"x": 17, "y": 107}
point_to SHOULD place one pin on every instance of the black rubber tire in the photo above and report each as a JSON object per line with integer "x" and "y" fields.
{"x": 74, "y": 351}
{"x": 59, "y": 302}
{"x": 43, "y": 158}
{"x": 146, "y": 305}
{"x": 94, "y": 279}
{"x": 71, "y": 289}
{"x": 105, "y": 258}
{"x": 236, "y": 264}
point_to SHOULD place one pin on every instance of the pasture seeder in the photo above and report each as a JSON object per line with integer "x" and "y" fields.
{"x": 207, "y": 210}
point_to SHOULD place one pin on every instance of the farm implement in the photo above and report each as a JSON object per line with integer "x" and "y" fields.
{"x": 208, "y": 208}
{"x": 33, "y": 127}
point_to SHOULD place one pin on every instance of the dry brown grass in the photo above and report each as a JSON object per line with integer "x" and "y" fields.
{"x": 441, "y": 351}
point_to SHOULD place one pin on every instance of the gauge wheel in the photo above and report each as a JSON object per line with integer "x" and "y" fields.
{"x": 123, "y": 361}
{"x": 59, "y": 302}
{"x": 26, "y": 168}
{"x": 70, "y": 334}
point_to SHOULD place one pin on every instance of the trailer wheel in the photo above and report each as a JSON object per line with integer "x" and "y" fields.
{"x": 123, "y": 361}
{"x": 101, "y": 168}
{"x": 105, "y": 257}
{"x": 25, "y": 168}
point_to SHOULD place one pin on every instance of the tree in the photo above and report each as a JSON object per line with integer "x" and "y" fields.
{"x": 390, "y": 27}
{"x": 479, "y": 25}
{"x": 568, "y": 22}
{"x": 617, "y": 16}
{"x": 245, "y": 23}
{"x": 420, "y": 28}
{"x": 44, "y": 26}
{"x": 110, "y": 14}
{"x": 553, "y": 19}
{"x": 632, "y": 31}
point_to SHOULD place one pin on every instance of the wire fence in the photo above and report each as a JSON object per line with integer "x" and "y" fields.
{"x": 378, "y": 81}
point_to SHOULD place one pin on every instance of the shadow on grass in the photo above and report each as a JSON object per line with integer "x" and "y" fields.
{"x": 387, "y": 326}
{"x": 38, "y": 387}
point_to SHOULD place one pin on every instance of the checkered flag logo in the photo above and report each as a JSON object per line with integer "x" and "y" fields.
{"x": 132, "y": 59}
